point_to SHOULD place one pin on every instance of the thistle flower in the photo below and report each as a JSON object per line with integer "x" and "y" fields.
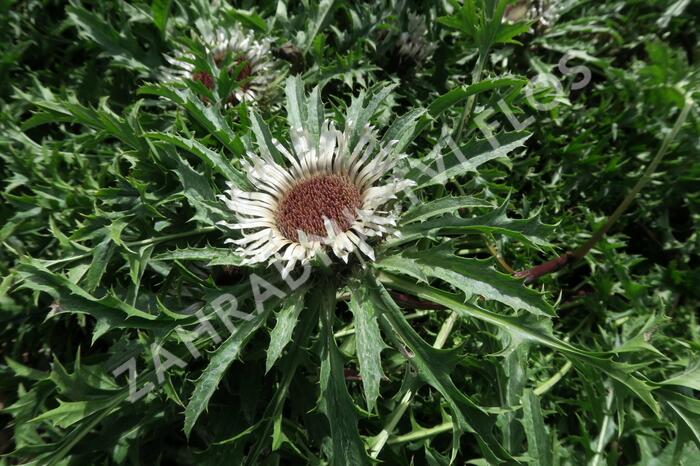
{"x": 328, "y": 195}
{"x": 238, "y": 50}
{"x": 413, "y": 43}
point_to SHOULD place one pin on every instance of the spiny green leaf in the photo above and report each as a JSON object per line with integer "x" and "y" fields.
{"x": 20, "y": 370}
{"x": 101, "y": 256}
{"x": 273, "y": 412}
{"x": 138, "y": 262}
{"x": 319, "y": 18}
{"x": 359, "y": 114}
{"x": 160, "y": 9}
{"x": 206, "y": 115}
{"x": 525, "y": 329}
{"x": 335, "y": 401}
{"x": 444, "y": 205}
{"x": 287, "y": 318}
{"x": 403, "y": 130}
{"x": 689, "y": 378}
{"x": 199, "y": 194}
{"x": 458, "y": 94}
{"x": 538, "y": 443}
{"x": 482, "y": 23}
{"x": 214, "y": 256}
{"x": 71, "y": 412}
{"x": 101, "y": 119}
{"x": 251, "y": 19}
{"x": 530, "y": 231}
{"x": 263, "y": 138}
{"x": 685, "y": 409}
{"x": 71, "y": 298}
{"x": 221, "y": 359}
{"x": 472, "y": 276}
{"x": 212, "y": 158}
{"x": 368, "y": 342}
{"x": 122, "y": 47}
{"x": 438, "y": 168}
{"x": 435, "y": 366}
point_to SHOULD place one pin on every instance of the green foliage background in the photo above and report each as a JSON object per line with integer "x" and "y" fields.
{"x": 109, "y": 177}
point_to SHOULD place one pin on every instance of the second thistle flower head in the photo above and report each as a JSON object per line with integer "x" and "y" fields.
{"x": 244, "y": 57}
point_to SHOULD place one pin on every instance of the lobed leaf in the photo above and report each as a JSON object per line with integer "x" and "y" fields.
{"x": 471, "y": 276}
{"x": 530, "y": 231}
{"x": 220, "y": 360}
{"x": 206, "y": 115}
{"x": 281, "y": 334}
{"x": 539, "y": 448}
{"x": 434, "y": 366}
{"x": 439, "y": 168}
{"x": 441, "y": 206}
{"x": 523, "y": 328}
{"x": 212, "y": 158}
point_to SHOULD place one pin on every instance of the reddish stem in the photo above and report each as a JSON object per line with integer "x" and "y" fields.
{"x": 530, "y": 275}
{"x": 352, "y": 375}
{"x": 411, "y": 302}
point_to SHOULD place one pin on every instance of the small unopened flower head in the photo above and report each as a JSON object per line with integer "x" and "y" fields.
{"x": 413, "y": 43}
{"x": 543, "y": 12}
